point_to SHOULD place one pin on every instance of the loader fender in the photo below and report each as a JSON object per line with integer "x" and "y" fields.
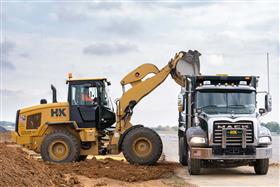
{"x": 68, "y": 123}
{"x": 125, "y": 133}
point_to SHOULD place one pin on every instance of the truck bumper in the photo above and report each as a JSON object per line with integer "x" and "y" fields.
{"x": 207, "y": 154}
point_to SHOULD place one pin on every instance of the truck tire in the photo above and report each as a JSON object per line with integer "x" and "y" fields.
{"x": 183, "y": 153}
{"x": 193, "y": 164}
{"x": 60, "y": 146}
{"x": 261, "y": 166}
{"x": 142, "y": 146}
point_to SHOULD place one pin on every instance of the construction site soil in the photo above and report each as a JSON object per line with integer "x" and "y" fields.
{"x": 18, "y": 168}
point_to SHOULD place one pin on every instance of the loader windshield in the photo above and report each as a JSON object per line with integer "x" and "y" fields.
{"x": 226, "y": 101}
{"x": 84, "y": 94}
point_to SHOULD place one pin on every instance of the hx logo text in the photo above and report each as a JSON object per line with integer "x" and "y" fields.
{"x": 58, "y": 112}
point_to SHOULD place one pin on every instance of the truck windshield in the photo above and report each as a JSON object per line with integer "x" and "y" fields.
{"x": 231, "y": 102}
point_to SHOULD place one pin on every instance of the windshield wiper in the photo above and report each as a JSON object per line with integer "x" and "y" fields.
{"x": 209, "y": 106}
{"x": 237, "y": 106}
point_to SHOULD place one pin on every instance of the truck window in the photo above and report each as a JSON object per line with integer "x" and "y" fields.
{"x": 215, "y": 102}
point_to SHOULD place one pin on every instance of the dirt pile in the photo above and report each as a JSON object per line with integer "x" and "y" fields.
{"x": 118, "y": 170}
{"x": 5, "y": 137}
{"x": 18, "y": 169}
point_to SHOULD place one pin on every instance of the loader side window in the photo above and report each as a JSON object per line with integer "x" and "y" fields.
{"x": 83, "y": 95}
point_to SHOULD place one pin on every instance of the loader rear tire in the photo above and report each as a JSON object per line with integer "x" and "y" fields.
{"x": 60, "y": 146}
{"x": 142, "y": 146}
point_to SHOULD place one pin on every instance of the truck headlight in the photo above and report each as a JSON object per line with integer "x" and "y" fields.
{"x": 198, "y": 140}
{"x": 264, "y": 140}
{"x": 264, "y": 132}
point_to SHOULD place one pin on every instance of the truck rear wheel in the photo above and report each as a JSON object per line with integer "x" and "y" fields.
{"x": 142, "y": 146}
{"x": 261, "y": 166}
{"x": 60, "y": 146}
{"x": 193, "y": 164}
{"x": 183, "y": 155}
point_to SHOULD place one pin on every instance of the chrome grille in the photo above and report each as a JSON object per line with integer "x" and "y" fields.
{"x": 220, "y": 125}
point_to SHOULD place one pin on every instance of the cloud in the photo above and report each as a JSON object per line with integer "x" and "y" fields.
{"x": 24, "y": 55}
{"x": 174, "y": 5}
{"x": 122, "y": 26}
{"x": 7, "y": 49}
{"x": 214, "y": 59}
{"x": 103, "y": 49}
{"x": 6, "y": 64}
{"x": 69, "y": 13}
{"x": 10, "y": 93}
{"x": 104, "y": 5}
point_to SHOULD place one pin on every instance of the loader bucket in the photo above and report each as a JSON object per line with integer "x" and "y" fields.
{"x": 189, "y": 64}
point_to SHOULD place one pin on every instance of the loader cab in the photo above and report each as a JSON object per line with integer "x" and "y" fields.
{"x": 89, "y": 103}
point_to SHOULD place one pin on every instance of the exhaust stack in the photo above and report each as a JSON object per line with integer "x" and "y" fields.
{"x": 53, "y": 94}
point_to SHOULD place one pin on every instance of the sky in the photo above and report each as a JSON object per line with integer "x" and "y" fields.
{"x": 42, "y": 41}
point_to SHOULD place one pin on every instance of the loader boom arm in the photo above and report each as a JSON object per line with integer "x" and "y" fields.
{"x": 141, "y": 87}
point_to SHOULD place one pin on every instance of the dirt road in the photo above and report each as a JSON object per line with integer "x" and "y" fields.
{"x": 242, "y": 176}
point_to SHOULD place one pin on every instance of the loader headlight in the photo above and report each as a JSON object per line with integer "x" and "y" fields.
{"x": 264, "y": 140}
{"x": 198, "y": 140}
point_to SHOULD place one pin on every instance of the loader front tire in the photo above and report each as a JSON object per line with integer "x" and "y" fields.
{"x": 60, "y": 146}
{"x": 142, "y": 146}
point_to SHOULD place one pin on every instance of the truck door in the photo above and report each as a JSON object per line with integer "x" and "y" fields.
{"x": 84, "y": 104}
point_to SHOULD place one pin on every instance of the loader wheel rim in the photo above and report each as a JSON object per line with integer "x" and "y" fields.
{"x": 58, "y": 150}
{"x": 142, "y": 147}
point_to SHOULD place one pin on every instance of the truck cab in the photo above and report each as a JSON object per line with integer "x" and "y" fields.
{"x": 219, "y": 125}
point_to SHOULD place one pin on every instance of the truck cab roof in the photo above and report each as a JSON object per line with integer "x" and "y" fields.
{"x": 224, "y": 81}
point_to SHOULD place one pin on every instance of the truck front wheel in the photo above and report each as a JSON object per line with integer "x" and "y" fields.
{"x": 142, "y": 146}
{"x": 183, "y": 155}
{"x": 261, "y": 166}
{"x": 193, "y": 164}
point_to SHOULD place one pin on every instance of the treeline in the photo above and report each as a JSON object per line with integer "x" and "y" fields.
{"x": 273, "y": 126}
{"x": 165, "y": 128}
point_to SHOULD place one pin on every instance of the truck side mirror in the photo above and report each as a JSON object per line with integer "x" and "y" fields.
{"x": 262, "y": 111}
{"x": 198, "y": 110}
{"x": 268, "y": 102}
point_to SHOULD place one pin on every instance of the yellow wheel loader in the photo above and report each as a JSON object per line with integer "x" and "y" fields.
{"x": 87, "y": 125}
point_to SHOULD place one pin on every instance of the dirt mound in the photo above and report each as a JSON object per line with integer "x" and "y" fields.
{"x": 275, "y": 164}
{"x": 5, "y": 137}
{"x": 18, "y": 169}
{"x": 115, "y": 169}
